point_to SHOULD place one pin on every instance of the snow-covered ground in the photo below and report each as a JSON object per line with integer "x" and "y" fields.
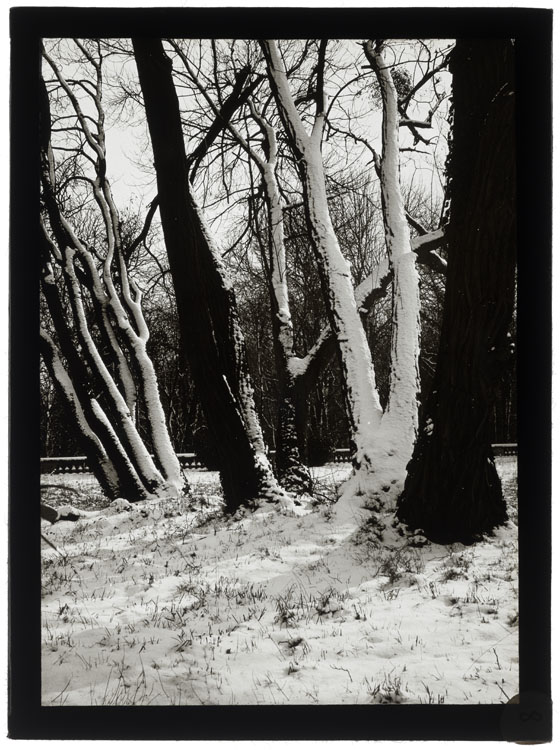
{"x": 160, "y": 603}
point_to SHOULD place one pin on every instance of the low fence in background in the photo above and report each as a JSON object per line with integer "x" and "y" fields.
{"x": 79, "y": 465}
{"x": 504, "y": 449}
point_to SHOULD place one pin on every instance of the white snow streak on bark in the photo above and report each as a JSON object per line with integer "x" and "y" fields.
{"x": 270, "y": 489}
{"x": 108, "y": 297}
{"x": 365, "y": 409}
{"x": 395, "y": 439}
{"x": 362, "y": 397}
{"x": 400, "y": 421}
{"x": 159, "y": 433}
{"x": 102, "y": 417}
{"x": 137, "y": 347}
{"x": 67, "y": 386}
{"x": 299, "y": 365}
{"x": 278, "y": 264}
{"x": 137, "y": 342}
{"x": 141, "y": 455}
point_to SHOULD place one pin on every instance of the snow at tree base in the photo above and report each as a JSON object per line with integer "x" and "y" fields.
{"x": 174, "y": 604}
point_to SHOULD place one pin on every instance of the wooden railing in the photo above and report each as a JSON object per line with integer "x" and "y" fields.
{"x": 64, "y": 465}
{"x": 504, "y": 449}
{"x": 79, "y": 465}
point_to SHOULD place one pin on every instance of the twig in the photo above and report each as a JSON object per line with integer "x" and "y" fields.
{"x": 484, "y": 652}
{"x": 62, "y": 691}
{"x": 62, "y": 554}
{"x": 342, "y": 669}
{"x": 503, "y": 691}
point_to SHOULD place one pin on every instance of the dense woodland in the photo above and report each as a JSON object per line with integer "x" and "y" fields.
{"x": 311, "y": 246}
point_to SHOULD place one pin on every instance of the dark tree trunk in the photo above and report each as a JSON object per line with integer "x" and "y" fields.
{"x": 209, "y": 323}
{"x": 452, "y": 491}
{"x": 293, "y": 474}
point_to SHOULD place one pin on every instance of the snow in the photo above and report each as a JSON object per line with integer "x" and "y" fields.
{"x": 143, "y": 461}
{"x": 364, "y": 406}
{"x": 380, "y": 463}
{"x": 161, "y": 441}
{"x": 371, "y": 282}
{"x": 169, "y": 602}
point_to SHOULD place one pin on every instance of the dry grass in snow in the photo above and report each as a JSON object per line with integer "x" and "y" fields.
{"x": 165, "y": 603}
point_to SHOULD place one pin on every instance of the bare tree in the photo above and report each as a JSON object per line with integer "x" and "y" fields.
{"x": 394, "y": 440}
{"x": 382, "y": 446}
{"x": 205, "y": 298}
{"x": 452, "y": 489}
{"x": 291, "y": 471}
{"x": 103, "y": 341}
{"x": 363, "y": 404}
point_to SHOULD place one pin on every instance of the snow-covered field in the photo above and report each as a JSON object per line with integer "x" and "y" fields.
{"x": 160, "y": 603}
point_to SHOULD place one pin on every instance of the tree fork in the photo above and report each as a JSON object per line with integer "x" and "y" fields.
{"x": 115, "y": 398}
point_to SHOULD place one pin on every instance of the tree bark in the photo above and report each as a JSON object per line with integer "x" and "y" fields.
{"x": 394, "y": 440}
{"x": 98, "y": 460}
{"x": 291, "y": 471}
{"x": 100, "y": 400}
{"x": 210, "y": 329}
{"x": 129, "y": 483}
{"x": 373, "y": 288}
{"x": 452, "y": 491}
{"x": 362, "y": 400}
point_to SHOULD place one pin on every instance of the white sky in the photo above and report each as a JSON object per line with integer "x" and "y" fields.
{"x": 128, "y": 142}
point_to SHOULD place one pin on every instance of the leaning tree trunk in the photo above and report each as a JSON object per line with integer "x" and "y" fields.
{"x": 394, "y": 440}
{"x": 109, "y": 413}
{"x": 97, "y": 458}
{"x": 452, "y": 491}
{"x": 128, "y": 483}
{"x": 362, "y": 400}
{"x": 210, "y": 329}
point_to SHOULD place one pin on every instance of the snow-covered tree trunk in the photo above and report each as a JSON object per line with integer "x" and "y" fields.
{"x": 394, "y": 441}
{"x": 361, "y": 395}
{"x": 373, "y": 288}
{"x": 98, "y": 460}
{"x": 129, "y": 484}
{"x": 114, "y": 421}
{"x": 293, "y": 474}
{"x": 206, "y": 302}
{"x": 126, "y": 311}
{"x": 134, "y": 334}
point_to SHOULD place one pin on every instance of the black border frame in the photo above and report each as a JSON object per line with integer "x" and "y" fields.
{"x": 530, "y": 720}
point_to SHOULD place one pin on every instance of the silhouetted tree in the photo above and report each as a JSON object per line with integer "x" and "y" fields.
{"x": 452, "y": 491}
{"x": 206, "y": 304}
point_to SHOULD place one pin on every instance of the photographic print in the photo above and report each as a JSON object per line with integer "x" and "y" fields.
{"x": 278, "y": 392}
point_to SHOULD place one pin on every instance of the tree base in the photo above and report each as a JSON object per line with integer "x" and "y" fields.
{"x": 452, "y": 499}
